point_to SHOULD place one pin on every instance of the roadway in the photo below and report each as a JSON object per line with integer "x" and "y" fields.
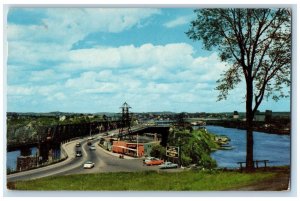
{"x": 70, "y": 163}
{"x": 104, "y": 162}
{"x": 108, "y": 162}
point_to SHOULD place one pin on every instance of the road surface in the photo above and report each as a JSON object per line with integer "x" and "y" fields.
{"x": 104, "y": 162}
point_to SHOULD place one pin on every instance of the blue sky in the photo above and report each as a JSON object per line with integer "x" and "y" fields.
{"x": 93, "y": 60}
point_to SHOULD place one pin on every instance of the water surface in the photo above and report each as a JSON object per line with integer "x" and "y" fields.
{"x": 273, "y": 147}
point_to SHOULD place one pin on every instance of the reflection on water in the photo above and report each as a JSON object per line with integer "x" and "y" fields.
{"x": 272, "y": 147}
{"x": 11, "y": 157}
{"x": 11, "y": 160}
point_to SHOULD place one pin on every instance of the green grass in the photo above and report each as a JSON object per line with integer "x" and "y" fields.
{"x": 147, "y": 181}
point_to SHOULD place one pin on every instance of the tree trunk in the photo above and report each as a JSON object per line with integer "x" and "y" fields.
{"x": 249, "y": 156}
{"x": 249, "y": 116}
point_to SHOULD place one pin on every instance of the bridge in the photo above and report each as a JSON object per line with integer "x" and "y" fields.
{"x": 50, "y": 138}
{"x": 59, "y": 133}
{"x": 161, "y": 129}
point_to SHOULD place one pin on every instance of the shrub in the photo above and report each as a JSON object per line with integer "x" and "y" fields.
{"x": 158, "y": 151}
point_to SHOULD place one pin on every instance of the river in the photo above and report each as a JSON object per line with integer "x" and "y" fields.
{"x": 272, "y": 147}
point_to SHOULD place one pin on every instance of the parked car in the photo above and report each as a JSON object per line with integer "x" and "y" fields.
{"x": 78, "y": 154}
{"x": 78, "y": 144}
{"x": 154, "y": 161}
{"x": 90, "y": 138}
{"x": 89, "y": 143}
{"x": 168, "y": 165}
{"x": 92, "y": 147}
{"x": 147, "y": 159}
{"x": 88, "y": 165}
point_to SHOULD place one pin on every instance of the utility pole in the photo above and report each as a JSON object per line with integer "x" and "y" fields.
{"x": 137, "y": 145}
{"x": 90, "y": 130}
{"x": 179, "y": 151}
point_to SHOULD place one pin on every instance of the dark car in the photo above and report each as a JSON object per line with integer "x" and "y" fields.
{"x": 89, "y": 143}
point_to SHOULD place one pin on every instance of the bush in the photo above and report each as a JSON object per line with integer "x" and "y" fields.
{"x": 158, "y": 151}
{"x": 195, "y": 147}
{"x": 207, "y": 162}
{"x": 185, "y": 160}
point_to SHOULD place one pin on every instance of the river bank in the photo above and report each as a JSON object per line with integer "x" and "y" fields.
{"x": 278, "y": 128}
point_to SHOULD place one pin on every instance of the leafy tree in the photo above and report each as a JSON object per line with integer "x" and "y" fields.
{"x": 158, "y": 151}
{"x": 195, "y": 147}
{"x": 256, "y": 44}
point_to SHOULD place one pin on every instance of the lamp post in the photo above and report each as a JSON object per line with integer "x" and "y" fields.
{"x": 179, "y": 151}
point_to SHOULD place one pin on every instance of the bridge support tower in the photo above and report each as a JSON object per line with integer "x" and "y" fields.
{"x": 125, "y": 128}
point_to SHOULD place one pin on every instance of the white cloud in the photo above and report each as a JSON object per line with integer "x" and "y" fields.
{"x": 158, "y": 88}
{"x": 103, "y": 87}
{"x": 57, "y": 97}
{"x": 152, "y": 73}
{"x": 185, "y": 97}
{"x": 147, "y": 76}
{"x": 31, "y": 54}
{"x": 168, "y": 56}
{"x": 162, "y": 73}
{"x": 92, "y": 82}
{"x": 44, "y": 90}
{"x": 19, "y": 90}
{"x": 178, "y": 21}
{"x": 48, "y": 75}
{"x": 67, "y": 26}
{"x": 209, "y": 68}
{"x": 51, "y": 40}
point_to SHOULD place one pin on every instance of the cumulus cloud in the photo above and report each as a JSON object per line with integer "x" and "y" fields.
{"x": 19, "y": 90}
{"x": 166, "y": 75}
{"x": 178, "y": 21}
{"x": 163, "y": 73}
{"x": 167, "y": 56}
{"x": 48, "y": 75}
{"x": 57, "y": 96}
{"x": 34, "y": 90}
{"x": 31, "y": 54}
{"x": 71, "y": 25}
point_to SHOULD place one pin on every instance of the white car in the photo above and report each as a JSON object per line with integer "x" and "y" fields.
{"x": 78, "y": 154}
{"x": 88, "y": 165}
{"x": 92, "y": 147}
{"x": 90, "y": 138}
{"x": 168, "y": 165}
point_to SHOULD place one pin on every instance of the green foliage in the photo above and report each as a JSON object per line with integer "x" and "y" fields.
{"x": 186, "y": 159}
{"x": 195, "y": 147}
{"x": 207, "y": 162}
{"x": 158, "y": 151}
{"x": 255, "y": 43}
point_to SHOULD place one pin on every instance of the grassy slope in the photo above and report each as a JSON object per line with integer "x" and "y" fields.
{"x": 143, "y": 181}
